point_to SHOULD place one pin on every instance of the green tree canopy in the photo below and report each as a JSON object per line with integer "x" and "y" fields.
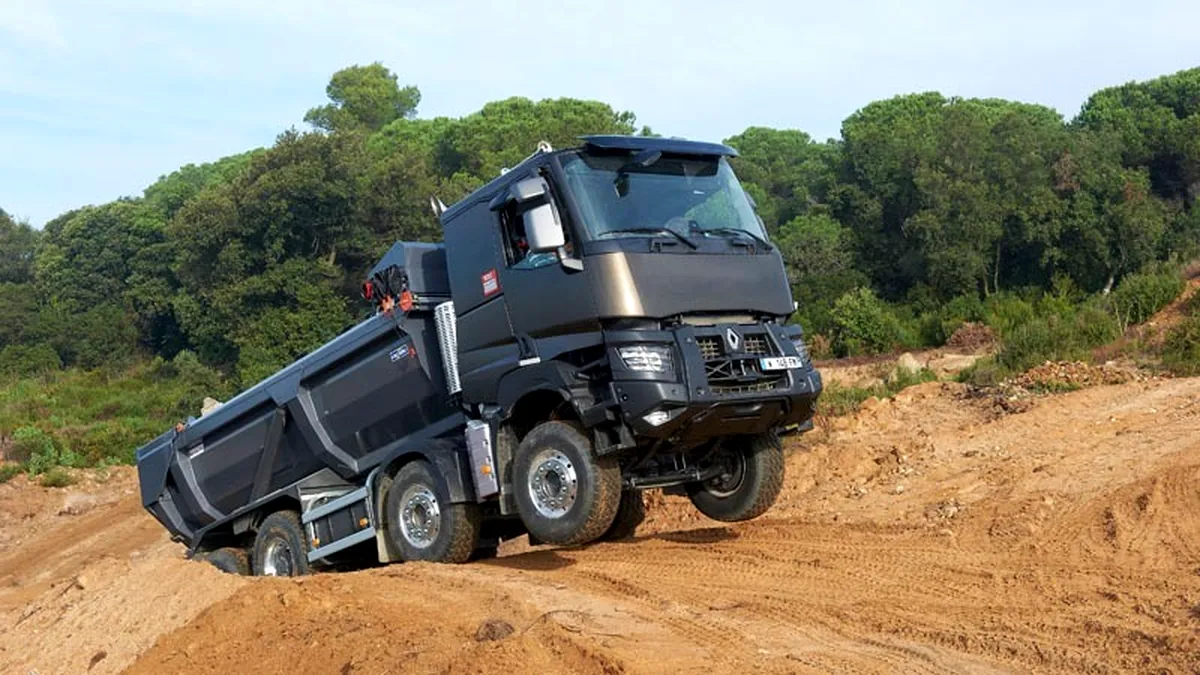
{"x": 364, "y": 97}
{"x": 17, "y": 244}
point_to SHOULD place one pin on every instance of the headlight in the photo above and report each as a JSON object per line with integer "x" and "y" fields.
{"x": 801, "y": 348}
{"x": 646, "y": 358}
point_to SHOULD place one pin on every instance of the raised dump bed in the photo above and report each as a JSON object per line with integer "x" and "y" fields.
{"x": 362, "y": 399}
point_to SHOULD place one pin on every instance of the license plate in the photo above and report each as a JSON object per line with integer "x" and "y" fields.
{"x": 780, "y": 362}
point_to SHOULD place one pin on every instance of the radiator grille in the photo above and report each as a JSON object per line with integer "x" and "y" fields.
{"x": 710, "y": 347}
{"x": 739, "y": 371}
{"x": 757, "y": 345}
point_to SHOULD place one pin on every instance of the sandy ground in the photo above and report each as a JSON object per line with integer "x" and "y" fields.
{"x": 936, "y": 532}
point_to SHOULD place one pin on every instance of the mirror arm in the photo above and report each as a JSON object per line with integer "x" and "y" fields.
{"x": 569, "y": 263}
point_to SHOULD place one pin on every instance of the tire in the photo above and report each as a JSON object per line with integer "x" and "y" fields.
{"x": 630, "y": 513}
{"x": 751, "y": 484}
{"x": 422, "y": 524}
{"x": 565, "y": 494}
{"x": 281, "y": 546}
{"x": 229, "y": 560}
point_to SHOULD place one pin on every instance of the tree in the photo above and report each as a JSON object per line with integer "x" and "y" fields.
{"x": 1114, "y": 224}
{"x": 793, "y": 173}
{"x": 365, "y": 98}
{"x": 818, "y": 253}
{"x": 169, "y": 193}
{"x": 84, "y": 258}
{"x": 505, "y": 132}
{"x": 883, "y": 145}
{"x": 17, "y": 244}
{"x": 1157, "y": 122}
{"x": 18, "y": 312}
{"x": 286, "y": 230}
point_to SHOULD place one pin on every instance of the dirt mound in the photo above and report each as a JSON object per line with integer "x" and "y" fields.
{"x": 88, "y": 581}
{"x": 1059, "y": 375}
{"x": 972, "y": 338}
{"x": 926, "y": 532}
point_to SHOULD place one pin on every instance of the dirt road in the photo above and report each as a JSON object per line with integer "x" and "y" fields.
{"x": 937, "y": 532}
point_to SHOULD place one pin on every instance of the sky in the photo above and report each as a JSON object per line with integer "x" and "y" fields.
{"x": 98, "y": 98}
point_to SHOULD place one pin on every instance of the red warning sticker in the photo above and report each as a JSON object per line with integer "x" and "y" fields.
{"x": 491, "y": 283}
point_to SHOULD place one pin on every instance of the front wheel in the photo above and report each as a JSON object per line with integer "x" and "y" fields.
{"x": 630, "y": 513}
{"x": 422, "y": 524}
{"x": 750, "y": 480}
{"x": 565, "y": 494}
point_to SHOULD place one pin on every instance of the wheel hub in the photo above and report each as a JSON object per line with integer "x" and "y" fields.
{"x": 277, "y": 559}
{"x": 553, "y": 484}
{"x": 421, "y": 517}
{"x": 727, "y": 482}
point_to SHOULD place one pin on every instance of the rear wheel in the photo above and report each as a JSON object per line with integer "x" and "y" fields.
{"x": 630, "y": 513}
{"x": 229, "y": 560}
{"x": 751, "y": 478}
{"x": 281, "y": 547}
{"x": 422, "y": 524}
{"x": 565, "y": 494}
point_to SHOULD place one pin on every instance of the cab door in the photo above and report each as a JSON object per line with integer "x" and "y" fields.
{"x": 550, "y": 305}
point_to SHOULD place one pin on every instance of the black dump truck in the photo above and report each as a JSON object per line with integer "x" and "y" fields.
{"x": 599, "y": 321}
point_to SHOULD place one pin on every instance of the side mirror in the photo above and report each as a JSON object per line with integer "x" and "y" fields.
{"x": 542, "y": 229}
{"x": 528, "y": 190}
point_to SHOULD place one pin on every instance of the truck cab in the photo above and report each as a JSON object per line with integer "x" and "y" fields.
{"x": 628, "y": 288}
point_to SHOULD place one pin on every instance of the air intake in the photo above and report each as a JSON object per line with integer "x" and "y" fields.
{"x": 444, "y": 318}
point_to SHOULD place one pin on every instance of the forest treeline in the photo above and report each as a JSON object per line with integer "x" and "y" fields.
{"x": 924, "y": 202}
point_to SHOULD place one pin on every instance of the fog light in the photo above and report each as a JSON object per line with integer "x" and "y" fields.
{"x": 657, "y": 418}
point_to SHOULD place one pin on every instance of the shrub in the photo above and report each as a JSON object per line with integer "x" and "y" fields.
{"x": 837, "y": 400}
{"x": 819, "y": 346}
{"x": 1139, "y": 296}
{"x": 39, "y": 451}
{"x": 27, "y": 361}
{"x": 864, "y": 324}
{"x": 29, "y": 443}
{"x": 938, "y": 325}
{"x": 985, "y": 372}
{"x": 110, "y": 440}
{"x": 1092, "y": 326}
{"x": 1181, "y": 350}
{"x": 1063, "y": 334}
{"x": 9, "y": 471}
{"x": 1006, "y": 311}
{"x": 57, "y": 478}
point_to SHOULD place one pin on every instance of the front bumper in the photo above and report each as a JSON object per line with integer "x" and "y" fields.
{"x": 717, "y": 386}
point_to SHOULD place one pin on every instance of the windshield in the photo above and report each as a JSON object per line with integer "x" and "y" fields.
{"x": 686, "y": 195}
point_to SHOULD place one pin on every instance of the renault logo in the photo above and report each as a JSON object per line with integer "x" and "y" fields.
{"x": 733, "y": 339}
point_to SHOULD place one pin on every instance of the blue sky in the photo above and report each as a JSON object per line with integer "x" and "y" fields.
{"x": 100, "y": 97}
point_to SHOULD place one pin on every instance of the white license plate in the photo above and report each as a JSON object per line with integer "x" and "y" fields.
{"x": 780, "y": 362}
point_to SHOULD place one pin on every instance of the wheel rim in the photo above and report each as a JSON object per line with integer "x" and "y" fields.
{"x": 728, "y": 482}
{"x": 420, "y": 517}
{"x": 277, "y": 559}
{"x": 553, "y": 484}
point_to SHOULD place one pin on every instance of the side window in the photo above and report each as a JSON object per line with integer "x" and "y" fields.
{"x": 512, "y": 232}
{"x": 516, "y": 245}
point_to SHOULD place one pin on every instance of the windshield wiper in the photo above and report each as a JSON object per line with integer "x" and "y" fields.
{"x": 654, "y": 230}
{"x": 738, "y": 231}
